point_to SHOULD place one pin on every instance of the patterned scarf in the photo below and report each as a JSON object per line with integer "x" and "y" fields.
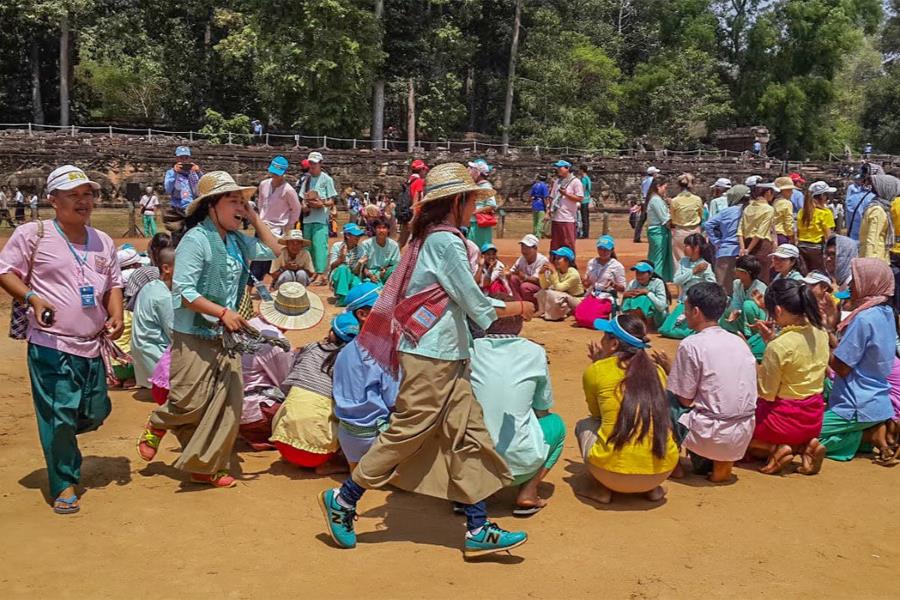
{"x": 212, "y": 285}
{"x": 874, "y": 283}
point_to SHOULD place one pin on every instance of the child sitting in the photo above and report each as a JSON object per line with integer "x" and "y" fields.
{"x": 692, "y": 269}
{"x": 647, "y": 297}
{"x": 491, "y": 274}
{"x": 747, "y": 297}
{"x": 151, "y": 328}
{"x": 714, "y": 381}
{"x": 786, "y": 263}
{"x": 380, "y": 254}
{"x": 294, "y": 263}
{"x": 343, "y": 261}
{"x": 604, "y": 280}
{"x": 561, "y": 287}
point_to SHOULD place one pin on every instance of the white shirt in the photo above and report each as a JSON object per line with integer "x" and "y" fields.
{"x": 20, "y": 198}
{"x": 34, "y": 201}
{"x": 149, "y": 204}
{"x": 604, "y": 277}
{"x": 530, "y": 270}
{"x": 4, "y": 204}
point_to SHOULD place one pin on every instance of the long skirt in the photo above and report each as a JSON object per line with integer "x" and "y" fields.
{"x": 675, "y": 325}
{"x": 480, "y": 235}
{"x": 725, "y": 271}
{"x": 659, "y": 251}
{"x": 793, "y": 421}
{"x": 562, "y": 234}
{"x": 206, "y": 395}
{"x": 679, "y": 234}
{"x": 342, "y": 281}
{"x": 524, "y": 290}
{"x": 436, "y": 443}
{"x": 842, "y": 438}
{"x": 762, "y": 251}
{"x": 646, "y": 307}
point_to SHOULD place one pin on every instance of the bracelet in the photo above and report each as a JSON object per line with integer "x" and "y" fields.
{"x": 224, "y": 310}
{"x": 28, "y": 296}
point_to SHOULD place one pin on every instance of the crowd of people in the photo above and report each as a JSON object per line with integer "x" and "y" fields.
{"x": 788, "y": 334}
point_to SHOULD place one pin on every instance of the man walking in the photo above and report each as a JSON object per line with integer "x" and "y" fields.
{"x": 149, "y": 204}
{"x": 318, "y": 193}
{"x": 567, "y": 194}
{"x": 406, "y": 203}
{"x": 585, "y": 208}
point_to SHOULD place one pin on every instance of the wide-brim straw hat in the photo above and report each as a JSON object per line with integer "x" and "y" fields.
{"x": 216, "y": 183}
{"x": 294, "y": 235}
{"x": 293, "y": 307}
{"x": 451, "y": 179}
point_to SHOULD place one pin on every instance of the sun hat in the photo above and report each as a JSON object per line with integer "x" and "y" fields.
{"x": 612, "y": 327}
{"x": 752, "y": 181}
{"x": 530, "y": 240}
{"x": 606, "y": 242}
{"x": 816, "y": 277}
{"x": 418, "y": 165}
{"x": 293, "y": 307}
{"x": 722, "y": 182}
{"x": 363, "y": 295}
{"x": 451, "y": 179}
{"x": 796, "y": 177}
{"x": 786, "y": 251}
{"x": 216, "y": 183}
{"x": 642, "y": 267}
{"x": 278, "y": 166}
{"x": 488, "y": 247}
{"x": 182, "y": 151}
{"x": 354, "y": 230}
{"x": 785, "y": 183}
{"x": 564, "y": 252}
{"x": 767, "y": 186}
{"x": 315, "y": 157}
{"x": 128, "y": 257}
{"x": 481, "y": 165}
{"x": 294, "y": 235}
{"x": 68, "y": 177}
{"x": 820, "y": 187}
{"x": 345, "y": 326}
{"x": 652, "y": 171}
{"x": 562, "y": 163}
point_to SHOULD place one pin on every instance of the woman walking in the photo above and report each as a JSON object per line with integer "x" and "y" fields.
{"x": 659, "y": 234}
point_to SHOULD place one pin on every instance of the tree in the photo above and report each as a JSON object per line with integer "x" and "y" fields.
{"x": 511, "y": 75}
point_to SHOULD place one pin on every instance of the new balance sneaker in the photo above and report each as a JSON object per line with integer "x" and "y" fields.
{"x": 339, "y": 519}
{"x": 492, "y": 539}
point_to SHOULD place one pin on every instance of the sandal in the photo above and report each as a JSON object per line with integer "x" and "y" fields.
{"x": 148, "y": 443}
{"x": 781, "y": 457}
{"x": 220, "y": 479}
{"x": 70, "y": 507}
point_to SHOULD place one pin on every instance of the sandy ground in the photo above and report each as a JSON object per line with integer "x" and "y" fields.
{"x": 143, "y": 531}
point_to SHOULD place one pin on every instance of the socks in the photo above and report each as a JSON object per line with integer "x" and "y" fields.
{"x": 343, "y": 503}
{"x": 474, "y": 532}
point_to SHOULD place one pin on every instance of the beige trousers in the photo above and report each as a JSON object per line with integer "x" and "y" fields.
{"x": 555, "y": 306}
{"x": 678, "y": 237}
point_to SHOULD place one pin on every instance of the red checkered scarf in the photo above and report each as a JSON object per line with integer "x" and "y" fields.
{"x": 395, "y": 316}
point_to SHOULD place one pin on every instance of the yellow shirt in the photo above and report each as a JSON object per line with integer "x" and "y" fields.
{"x": 794, "y": 363}
{"x": 784, "y": 217}
{"x": 873, "y": 233}
{"x": 686, "y": 210}
{"x": 821, "y": 223}
{"x": 756, "y": 221}
{"x": 570, "y": 282}
{"x": 603, "y": 394}
{"x": 895, "y": 219}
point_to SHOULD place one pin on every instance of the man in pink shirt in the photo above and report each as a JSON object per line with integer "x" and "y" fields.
{"x": 566, "y": 196}
{"x": 74, "y": 294}
{"x": 714, "y": 382}
{"x": 279, "y": 207}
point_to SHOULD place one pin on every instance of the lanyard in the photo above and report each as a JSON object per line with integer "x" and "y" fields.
{"x": 80, "y": 260}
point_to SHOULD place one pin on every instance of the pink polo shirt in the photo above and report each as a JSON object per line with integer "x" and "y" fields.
{"x": 567, "y": 211}
{"x": 279, "y": 208}
{"x": 57, "y": 277}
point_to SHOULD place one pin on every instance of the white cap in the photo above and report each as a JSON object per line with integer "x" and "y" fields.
{"x": 786, "y": 251}
{"x": 68, "y": 177}
{"x": 815, "y": 277}
{"x": 127, "y": 257}
{"x": 722, "y": 182}
{"x": 820, "y": 187}
{"x": 315, "y": 157}
{"x": 752, "y": 181}
{"x": 652, "y": 171}
{"x": 530, "y": 240}
{"x": 767, "y": 186}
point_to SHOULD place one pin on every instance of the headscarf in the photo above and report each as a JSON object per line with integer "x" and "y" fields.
{"x": 874, "y": 282}
{"x": 736, "y": 194}
{"x": 886, "y": 188}
{"x": 845, "y": 250}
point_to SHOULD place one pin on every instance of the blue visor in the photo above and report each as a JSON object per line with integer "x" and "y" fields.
{"x": 345, "y": 326}
{"x": 642, "y": 267}
{"x": 612, "y": 327}
{"x": 362, "y": 296}
{"x": 842, "y": 295}
{"x": 353, "y": 229}
{"x": 562, "y": 163}
{"x": 564, "y": 252}
{"x": 278, "y": 166}
{"x": 488, "y": 247}
{"x": 606, "y": 242}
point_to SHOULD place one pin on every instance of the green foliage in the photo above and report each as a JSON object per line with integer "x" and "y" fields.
{"x": 881, "y": 115}
{"x": 216, "y": 127}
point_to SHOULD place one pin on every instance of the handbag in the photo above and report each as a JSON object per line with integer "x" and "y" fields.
{"x": 18, "y": 317}
{"x": 486, "y": 219}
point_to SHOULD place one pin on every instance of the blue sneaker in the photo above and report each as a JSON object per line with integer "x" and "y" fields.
{"x": 492, "y": 539}
{"x": 339, "y": 519}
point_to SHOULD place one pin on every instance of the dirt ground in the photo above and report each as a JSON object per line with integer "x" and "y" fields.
{"x": 144, "y": 532}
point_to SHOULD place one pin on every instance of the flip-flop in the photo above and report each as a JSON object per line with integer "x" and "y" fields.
{"x": 527, "y": 511}
{"x": 70, "y": 507}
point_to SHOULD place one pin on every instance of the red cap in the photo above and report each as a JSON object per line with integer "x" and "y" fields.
{"x": 305, "y": 163}
{"x": 796, "y": 177}
{"x": 418, "y": 165}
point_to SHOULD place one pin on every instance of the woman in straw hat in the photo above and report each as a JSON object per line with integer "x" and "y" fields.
{"x": 294, "y": 263}
{"x": 436, "y": 443}
{"x": 206, "y": 388}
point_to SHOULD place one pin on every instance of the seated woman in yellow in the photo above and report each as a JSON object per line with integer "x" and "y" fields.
{"x": 561, "y": 286}
{"x": 624, "y": 452}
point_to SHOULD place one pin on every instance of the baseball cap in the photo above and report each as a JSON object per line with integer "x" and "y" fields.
{"x": 562, "y": 163}
{"x": 786, "y": 251}
{"x": 606, "y": 242}
{"x": 418, "y": 164}
{"x": 722, "y": 182}
{"x": 182, "y": 151}
{"x": 363, "y": 295}
{"x": 815, "y": 277}
{"x": 278, "y": 166}
{"x": 752, "y": 181}
{"x": 353, "y": 229}
{"x": 820, "y": 187}
{"x": 68, "y": 177}
{"x": 642, "y": 267}
{"x": 564, "y": 252}
{"x": 315, "y": 157}
{"x": 652, "y": 171}
{"x": 796, "y": 177}
{"x": 345, "y": 326}
{"x": 488, "y": 247}
{"x": 481, "y": 166}
{"x": 530, "y": 240}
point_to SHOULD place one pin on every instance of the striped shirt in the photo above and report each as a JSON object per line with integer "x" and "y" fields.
{"x": 307, "y": 373}
{"x": 139, "y": 278}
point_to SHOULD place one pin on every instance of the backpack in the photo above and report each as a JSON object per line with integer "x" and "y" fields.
{"x": 403, "y": 210}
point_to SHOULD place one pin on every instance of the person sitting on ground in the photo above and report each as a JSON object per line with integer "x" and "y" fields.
{"x": 647, "y": 296}
{"x": 380, "y": 254}
{"x": 627, "y": 442}
{"x": 123, "y": 371}
{"x": 787, "y": 264}
{"x": 823, "y": 288}
{"x": 692, "y": 269}
{"x": 343, "y": 262}
{"x": 524, "y": 276}
{"x": 604, "y": 280}
{"x": 304, "y": 429}
{"x": 561, "y": 287}
{"x": 747, "y": 304}
{"x": 713, "y": 382}
{"x": 491, "y": 274}
{"x": 860, "y": 403}
{"x": 294, "y": 263}
{"x": 511, "y": 381}
{"x": 790, "y": 381}
{"x": 151, "y": 327}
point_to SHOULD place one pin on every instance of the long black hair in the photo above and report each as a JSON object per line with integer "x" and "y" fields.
{"x": 707, "y": 252}
{"x": 433, "y": 213}
{"x": 201, "y": 212}
{"x": 645, "y": 408}
{"x": 796, "y": 298}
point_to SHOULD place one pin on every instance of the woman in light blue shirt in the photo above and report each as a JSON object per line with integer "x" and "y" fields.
{"x": 659, "y": 232}
{"x": 692, "y": 269}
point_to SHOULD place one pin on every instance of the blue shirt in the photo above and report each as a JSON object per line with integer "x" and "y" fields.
{"x": 855, "y": 207}
{"x": 867, "y": 347}
{"x": 797, "y": 200}
{"x": 539, "y": 192}
{"x": 181, "y": 188}
{"x": 722, "y": 231}
{"x": 645, "y": 186}
{"x": 364, "y": 393}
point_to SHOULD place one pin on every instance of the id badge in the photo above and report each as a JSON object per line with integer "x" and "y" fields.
{"x": 87, "y": 296}
{"x": 264, "y": 294}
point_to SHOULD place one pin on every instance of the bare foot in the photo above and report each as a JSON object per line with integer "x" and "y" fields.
{"x": 331, "y": 467}
{"x": 812, "y": 457}
{"x": 656, "y": 494}
{"x": 778, "y": 460}
{"x": 597, "y": 493}
{"x": 677, "y": 472}
{"x": 721, "y": 472}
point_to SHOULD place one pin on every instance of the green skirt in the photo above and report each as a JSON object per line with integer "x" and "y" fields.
{"x": 750, "y": 314}
{"x": 842, "y": 438}
{"x": 674, "y": 328}
{"x": 646, "y": 306}
{"x": 342, "y": 281}
{"x": 480, "y": 235}
{"x": 660, "y": 251}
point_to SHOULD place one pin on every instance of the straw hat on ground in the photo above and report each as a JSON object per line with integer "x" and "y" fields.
{"x": 216, "y": 183}
{"x": 450, "y": 179}
{"x": 293, "y": 308}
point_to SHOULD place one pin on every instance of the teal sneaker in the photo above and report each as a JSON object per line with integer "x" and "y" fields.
{"x": 492, "y": 539}
{"x": 339, "y": 519}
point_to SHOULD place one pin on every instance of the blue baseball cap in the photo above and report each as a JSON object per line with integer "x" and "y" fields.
{"x": 345, "y": 326}
{"x": 278, "y": 166}
{"x": 562, "y": 163}
{"x": 362, "y": 296}
{"x": 488, "y": 247}
{"x": 182, "y": 151}
{"x": 354, "y": 229}
{"x": 842, "y": 295}
{"x": 642, "y": 267}
{"x": 612, "y": 327}
{"x": 564, "y": 252}
{"x": 606, "y": 242}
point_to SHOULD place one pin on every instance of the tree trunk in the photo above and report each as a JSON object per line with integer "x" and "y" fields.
{"x": 378, "y": 87}
{"x": 64, "y": 70}
{"x": 470, "y": 96}
{"x": 37, "y": 105}
{"x": 510, "y": 82}
{"x": 411, "y": 118}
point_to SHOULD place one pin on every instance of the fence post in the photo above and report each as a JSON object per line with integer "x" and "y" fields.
{"x": 191, "y": 136}
{"x": 325, "y": 142}
{"x": 475, "y": 146}
{"x": 267, "y": 138}
{"x": 605, "y": 226}
{"x": 30, "y": 133}
{"x": 149, "y": 135}
{"x": 110, "y": 131}
{"x": 296, "y": 140}
{"x": 354, "y": 143}
{"x": 229, "y": 138}
{"x": 73, "y": 131}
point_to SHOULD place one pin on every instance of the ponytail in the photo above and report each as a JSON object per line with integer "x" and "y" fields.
{"x": 655, "y": 275}
{"x": 796, "y": 298}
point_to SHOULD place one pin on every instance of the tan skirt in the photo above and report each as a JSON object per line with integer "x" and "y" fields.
{"x": 204, "y": 407}
{"x": 437, "y": 443}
